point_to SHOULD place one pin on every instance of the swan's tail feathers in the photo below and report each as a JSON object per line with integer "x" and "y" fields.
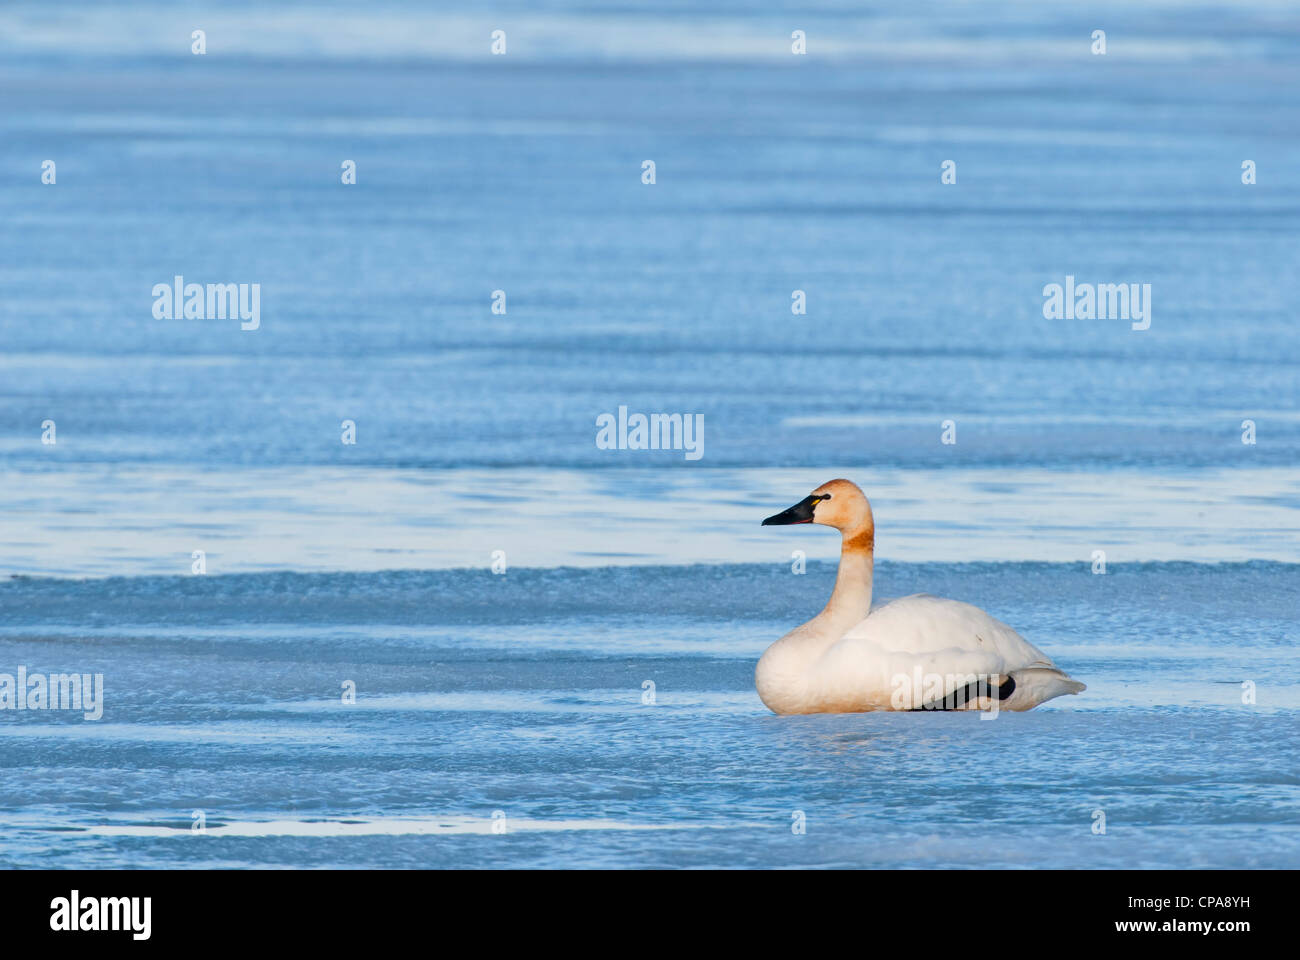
{"x": 1035, "y": 685}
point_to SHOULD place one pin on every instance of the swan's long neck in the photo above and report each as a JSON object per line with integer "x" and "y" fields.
{"x": 851, "y": 599}
{"x": 784, "y": 672}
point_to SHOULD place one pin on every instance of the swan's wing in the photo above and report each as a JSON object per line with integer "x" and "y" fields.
{"x": 920, "y": 649}
{"x": 945, "y": 637}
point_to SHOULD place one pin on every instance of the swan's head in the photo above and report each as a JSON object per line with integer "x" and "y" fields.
{"x": 839, "y": 504}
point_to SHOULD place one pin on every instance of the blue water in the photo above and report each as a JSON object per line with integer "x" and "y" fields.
{"x": 522, "y": 693}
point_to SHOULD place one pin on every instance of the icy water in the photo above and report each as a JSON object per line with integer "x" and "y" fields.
{"x": 500, "y": 720}
{"x": 524, "y": 694}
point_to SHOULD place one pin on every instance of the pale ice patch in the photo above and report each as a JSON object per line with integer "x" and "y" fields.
{"x": 387, "y": 32}
{"x": 108, "y": 521}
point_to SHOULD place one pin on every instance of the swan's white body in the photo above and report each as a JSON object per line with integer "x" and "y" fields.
{"x": 901, "y": 655}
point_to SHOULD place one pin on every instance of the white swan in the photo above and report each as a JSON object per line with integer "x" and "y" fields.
{"x": 912, "y": 653}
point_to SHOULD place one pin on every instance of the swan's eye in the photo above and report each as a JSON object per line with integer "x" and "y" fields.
{"x": 820, "y": 497}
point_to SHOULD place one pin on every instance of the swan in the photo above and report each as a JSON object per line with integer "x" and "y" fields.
{"x": 917, "y": 652}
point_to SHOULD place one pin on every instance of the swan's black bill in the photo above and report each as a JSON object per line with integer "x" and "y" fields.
{"x": 801, "y": 512}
